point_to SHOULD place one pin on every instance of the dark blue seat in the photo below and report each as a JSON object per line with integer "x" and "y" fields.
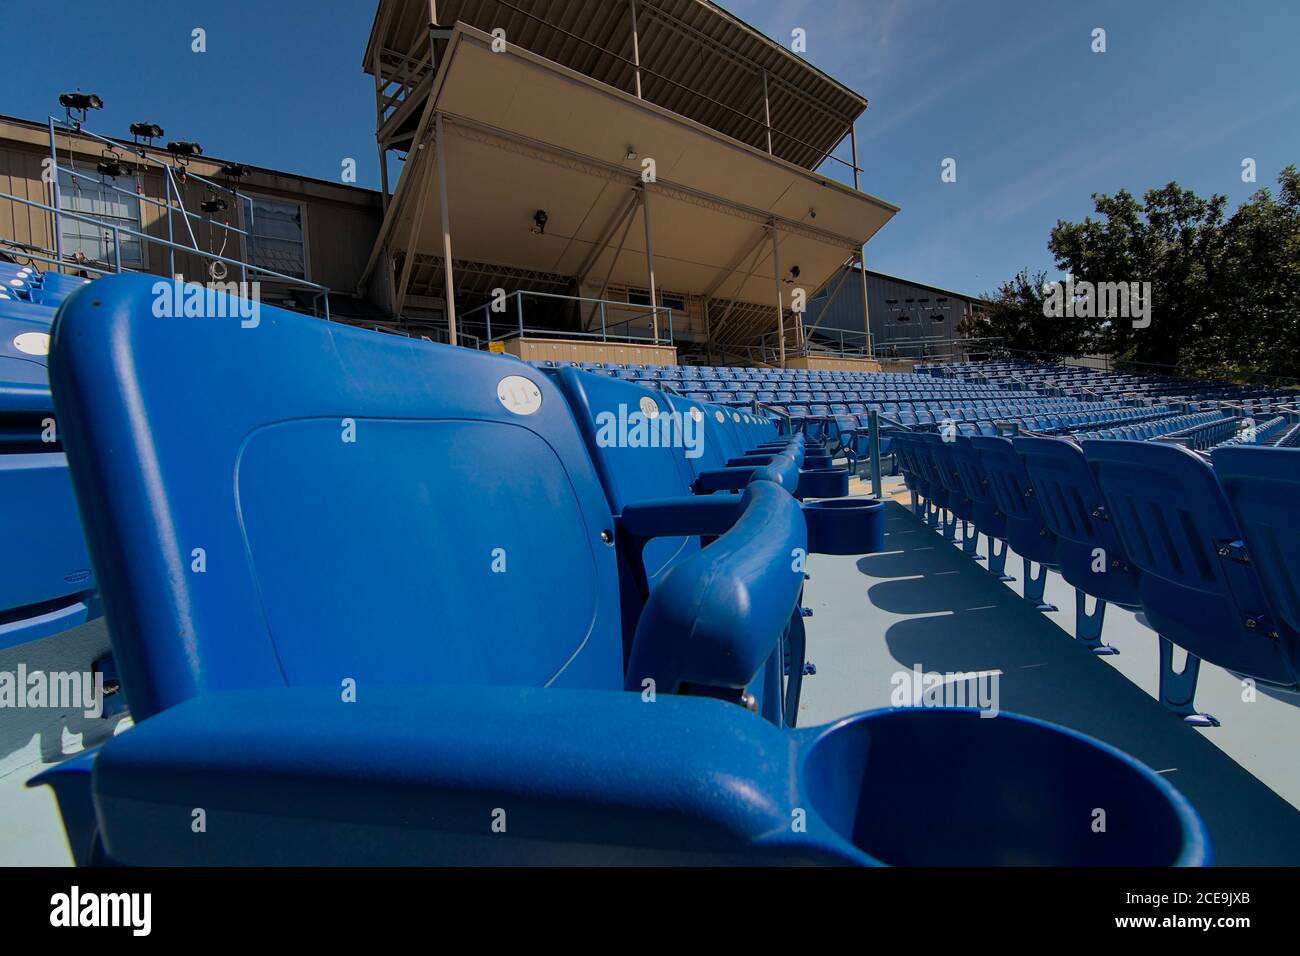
{"x": 944, "y": 467}
{"x": 1198, "y": 589}
{"x": 1089, "y": 553}
{"x": 1263, "y": 488}
{"x": 1027, "y": 533}
{"x": 985, "y": 514}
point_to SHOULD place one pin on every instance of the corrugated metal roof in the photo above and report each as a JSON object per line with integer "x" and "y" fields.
{"x": 696, "y": 59}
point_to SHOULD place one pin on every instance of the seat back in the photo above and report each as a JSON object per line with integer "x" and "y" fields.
{"x": 1263, "y": 487}
{"x": 1072, "y": 507}
{"x": 1174, "y": 521}
{"x": 1009, "y": 483}
{"x": 46, "y": 582}
{"x": 303, "y": 503}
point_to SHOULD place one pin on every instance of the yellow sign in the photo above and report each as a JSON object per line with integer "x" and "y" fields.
{"x": 498, "y": 347}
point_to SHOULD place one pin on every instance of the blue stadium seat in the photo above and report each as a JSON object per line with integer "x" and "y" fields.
{"x": 265, "y": 586}
{"x": 1090, "y": 555}
{"x": 1263, "y": 488}
{"x": 365, "y": 593}
{"x": 1027, "y": 534}
{"x": 46, "y": 579}
{"x": 1198, "y": 587}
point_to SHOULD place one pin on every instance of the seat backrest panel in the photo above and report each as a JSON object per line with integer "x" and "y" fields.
{"x": 304, "y": 502}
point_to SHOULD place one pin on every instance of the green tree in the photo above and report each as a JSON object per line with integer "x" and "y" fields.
{"x": 1174, "y": 240}
{"x": 1015, "y": 314}
{"x": 1225, "y": 291}
{"x": 1258, "y": 288}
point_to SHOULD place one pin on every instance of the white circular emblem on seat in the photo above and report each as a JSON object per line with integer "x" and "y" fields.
{"x": 735, "y": 416}
{"x": 648, "y": 407}
{"x": 33, "y": 343}
{"x": 519, "y": 395}
{"x": 720, "y": 417}
{"x": 697, "y": 414}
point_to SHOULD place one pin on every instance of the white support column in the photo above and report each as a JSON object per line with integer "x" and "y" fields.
{"x": 650, "y": 256}
{"x": 780, "y": 297}
{"x": 767, "y": 116}
{"x": 866, "y": 306}
{"x": 449, "y": 281}
{"x": 636, "y": 49}
{"x": 853, "y": 142}
{"x": 862, "y": 252}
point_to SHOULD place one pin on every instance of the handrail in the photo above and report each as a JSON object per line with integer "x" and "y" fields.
{"x": 518, "y": 329}
{"x": 322, "y": 293}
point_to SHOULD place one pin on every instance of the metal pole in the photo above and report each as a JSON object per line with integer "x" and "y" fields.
{"x": 650, "y": 256}
{"x": 488, "y": 312}
{"x": 602, "y": 321}
{"x": 853, "y": 142}
{"x": 54, "y": 187}
{"x": 181, "y": 203}
{"x": 866, "y": 306}
{"x": 448, "y": 280}
{"x": 636, "y": 50}
{"x": 767, "y": 116}
{"x": 874, "y": 435}
{"x": 780, "y": 300}
{"x": 252, "y": 231}
{"x": 519, "y": 311}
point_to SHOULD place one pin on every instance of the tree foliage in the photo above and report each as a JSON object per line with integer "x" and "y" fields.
{"x": 1225, "y": 290}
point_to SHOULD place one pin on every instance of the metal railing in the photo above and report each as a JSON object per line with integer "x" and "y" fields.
{"x": 113, "y": 230}
{"x": 117, "y": 231}
{"x": 655, "y": 322}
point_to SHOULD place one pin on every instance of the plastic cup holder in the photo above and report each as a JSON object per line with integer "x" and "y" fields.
{"x": 845, "y": 525}
{"x": 949, "y": 787}
{"x": 822, "y": 483}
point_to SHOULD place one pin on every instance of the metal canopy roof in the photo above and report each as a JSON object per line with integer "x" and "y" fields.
{"x": 522, "y": 134}
{"x": 696, "y": 59}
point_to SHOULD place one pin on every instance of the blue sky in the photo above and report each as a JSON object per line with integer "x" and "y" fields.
{"x": 1010, "y": 89}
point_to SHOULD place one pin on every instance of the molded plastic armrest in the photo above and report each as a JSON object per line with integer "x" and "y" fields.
{"x": 716, "y": 617}
{"x": 451, "y": 776}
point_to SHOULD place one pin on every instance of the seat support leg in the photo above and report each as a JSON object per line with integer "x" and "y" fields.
{"x": 797, "y": 648}
{"x": 949, "y": 526}
{"x": 1178, "y": 689}
{"x": 1087, "y": 627}
{"x": 998, "y": 560}
{"x": 970, "y": 540}
{"x": 1036, "y": 585}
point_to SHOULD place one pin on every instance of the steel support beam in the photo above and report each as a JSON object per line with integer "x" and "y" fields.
{"x": 780, "y": 297}
{"x": 636, "y": 49}
{"x": 650, "y": 257}
{"x": 448, "y": 279}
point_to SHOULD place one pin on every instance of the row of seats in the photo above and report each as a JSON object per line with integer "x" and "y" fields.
{"x": 1173, "y": 425}
{"x": 1049, "y": 376}
{"x": 1207, "y": 554}
{"x": 454, "y": 609}
{"x": 46, "y": 584}
{"x": 19, "y": 283}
